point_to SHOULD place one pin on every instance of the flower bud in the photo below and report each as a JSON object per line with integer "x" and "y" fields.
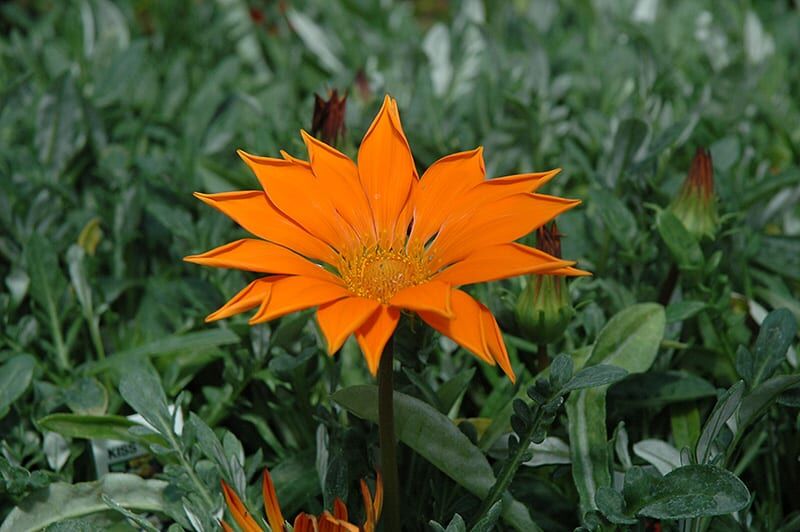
{"x": 695, "y": 206}
{"x": 544, "y": 308}
{"x": 327, "y": 123}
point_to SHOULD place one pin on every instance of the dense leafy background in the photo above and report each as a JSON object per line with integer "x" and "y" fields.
{"x": 112, "y": 114}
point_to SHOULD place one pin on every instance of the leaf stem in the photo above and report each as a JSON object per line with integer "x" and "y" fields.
{"x": 391, "y": 503}
{"x": 510, "y": 468}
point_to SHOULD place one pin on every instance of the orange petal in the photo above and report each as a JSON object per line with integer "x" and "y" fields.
{"x": 290, "y": 294}
{"x": 329, "y": 523}
{"x": 225, "y": 526}
{"x": 494, "y": 342}
{"x": 499, "y": 187}
{"x": 257, "y": 214}
{"x": 339, "y": 509}
{"x": 305, "y": 523}
{"x": 238, "y": 510}
{"x": 250, "y": 297}
{"x": 271, "y": 506}
{"x": 498, "y": 222}
{"x": 339, "y": 319}
{"x": 377, "y": 503}
{"x": 443, "y": 182}
{"x": 570, "y": 272}
{"x": 374, "y": 333}
{"x": 465, "y": 328}
{"x": 261, "y": 256}
{"x": 386, "y": 168}
{"x": 499, "y": 262}
{"x": 292, "y": 187}
{"x": 338, "y": 177}
{"x": 372, "y": 508}
{"x": 432, "y": 296}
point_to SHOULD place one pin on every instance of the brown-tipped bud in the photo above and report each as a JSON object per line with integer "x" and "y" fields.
{"x": 695, "y": 206}
{"x": 328, "y": 121}
{"x": 544, "y": 308}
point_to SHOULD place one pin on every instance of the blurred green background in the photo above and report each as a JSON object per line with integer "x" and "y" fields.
{"x": 113, "y": 113}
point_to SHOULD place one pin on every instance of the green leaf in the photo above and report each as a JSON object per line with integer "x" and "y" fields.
{"x": 451, "y": 391}
{"x": 658, "y": 388}
{"x": 47, "y": 285}
{"x": 96, "y": 427}
{"x": 659, "y": 453}
{"x": 630, "y": 340}
{"x": 60, "y": 127}
{"x": 322, "y": 44}
{"x": 681, "y": 244}
{"x": 78, "y": 278}
{"x": 724, "y": 409}
{"x": 616, "y": 217}
{"x": 296, "y": 481}
{"x": 434, "y": 437}
{"x": 599, "y": 375}
{"x": 61, "y": 501}
{"x": 762, "y": 397}
{"x": 629, "y": 139}
{"x": 86, "y": 396}
{"x": 560, "y": 371}
{"x": 141, "y": 388}
{"x": 682, "y": 310}
{"x": 685, "y": 422}
{"x": 488, "y": 522}
{"x": 15, "y": 377}
{"x": 194, "y": 341}
{"x": 612, "y": 505}
{"x": 780, "y": 254}
{"x": 774, "y": 338}
{"x": 695, "y": 491}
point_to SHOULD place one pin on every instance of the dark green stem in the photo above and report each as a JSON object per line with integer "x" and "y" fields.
{"x": 665, "y": 294}
{"x": 391, "y": 490}
{"x": 542, "y": 357}
{"x": 510, "y": 467}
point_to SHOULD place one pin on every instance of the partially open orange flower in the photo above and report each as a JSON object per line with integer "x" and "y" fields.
{"x": 364, "y": 242}
{"x": 338, "y": 521}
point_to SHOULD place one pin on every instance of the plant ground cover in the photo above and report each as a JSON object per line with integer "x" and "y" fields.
{"x": 667, "y": 401}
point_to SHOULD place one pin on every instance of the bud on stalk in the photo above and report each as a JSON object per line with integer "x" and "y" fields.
{"x": 695, "y": 205}
{"x": 327, "y": 123}
{"x": 544, "y": 308}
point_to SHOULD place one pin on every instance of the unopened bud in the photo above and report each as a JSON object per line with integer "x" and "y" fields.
{"x": 544, "y": 308}
{"x": 695, "y": 206}
{"x": 328, "y": 121}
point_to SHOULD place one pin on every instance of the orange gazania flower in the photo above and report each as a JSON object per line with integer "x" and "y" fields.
{"x": 338, "y": 521}
{"x": 363, "y": 242}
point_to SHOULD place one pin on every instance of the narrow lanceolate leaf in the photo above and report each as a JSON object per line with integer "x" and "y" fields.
{"x": 599, "y": 375}
{"x": 431, "y": 434}
{"x": 15, "y": 377}
{"x": 61, "y": 501}
{"x": 774, "y": 338}
{"x": 60, "y": 127}
{"x": 629, "y": 341}
{"x": 724, "y": 409}
{"x": 95, "y": 427}
{"x": 762, "y": 397}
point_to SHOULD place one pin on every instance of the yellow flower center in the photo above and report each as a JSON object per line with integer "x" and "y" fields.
{"x": 377, "y": 273}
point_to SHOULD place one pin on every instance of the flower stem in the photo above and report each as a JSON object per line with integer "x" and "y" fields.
{"x": 391, "y": 502}
{"x": 543, "y": 358}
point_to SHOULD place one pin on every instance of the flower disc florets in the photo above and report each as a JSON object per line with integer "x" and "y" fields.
{"x": 376, "y": 273}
